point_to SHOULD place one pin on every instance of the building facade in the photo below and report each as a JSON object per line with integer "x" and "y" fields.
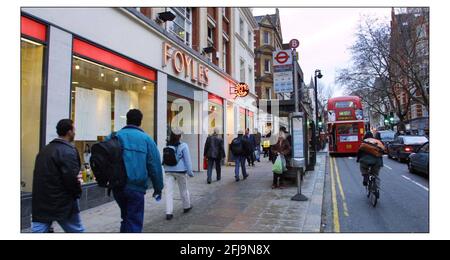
{"x": 268, "y": 38}
{"x": 410, "y": 34}
{"x": 179, "y": 73}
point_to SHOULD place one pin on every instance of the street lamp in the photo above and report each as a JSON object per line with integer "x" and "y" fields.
{"x": 317, "y": 74}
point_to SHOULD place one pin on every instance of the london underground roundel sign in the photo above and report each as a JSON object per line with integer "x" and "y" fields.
{"x": 282, "y": 57}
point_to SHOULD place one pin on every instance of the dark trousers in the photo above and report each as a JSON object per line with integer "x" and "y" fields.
{"x": 131, "y": 205}
{"x": 251, "y": 159}
{"x": 277, "y": 178}
{"x": 211, "y": 163}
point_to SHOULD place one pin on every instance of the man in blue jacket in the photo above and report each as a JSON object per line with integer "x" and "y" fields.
{"x": 142, "y": 162}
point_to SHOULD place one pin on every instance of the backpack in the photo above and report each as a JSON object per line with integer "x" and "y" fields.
{"x": 170, "y": 157}
{"x": 237, "y": 146}
{"x": 107, "y": 164}
{"x": 372, "y": 147}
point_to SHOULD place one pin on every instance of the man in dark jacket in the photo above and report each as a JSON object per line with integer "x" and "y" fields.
{"x": 240, "y": 148}
{"x": 257, "y": 136}
{"x": 56, "y": 183}
{"x": 214, "y": 151}
{"x": 251, "y": 149}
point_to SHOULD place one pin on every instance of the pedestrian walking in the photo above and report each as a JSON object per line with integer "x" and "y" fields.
{"x": 214, "y": 152}
{"x": 57, "y": 183}
{"x": 142, "y": 163}
{"x": 178, "y": 166}
{"x": 257, "y": 136}
{"x": 251, "y": 152}
{"x": 281, "y": 150}
{"x": 240, "y": 149}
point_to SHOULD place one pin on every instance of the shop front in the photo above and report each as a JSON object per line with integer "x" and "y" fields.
{"x": 80, "y": 70}
{"x": 33, "y": 47}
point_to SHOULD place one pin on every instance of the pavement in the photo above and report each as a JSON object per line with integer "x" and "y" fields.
{"x": 403, "y": 206}
{"x": 227, "y": 206}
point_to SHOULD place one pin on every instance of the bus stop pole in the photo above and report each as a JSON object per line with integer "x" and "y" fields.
{"x": 299, "y": 196}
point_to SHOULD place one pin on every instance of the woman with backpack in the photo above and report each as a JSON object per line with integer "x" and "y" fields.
{"x": 177, "y": 165}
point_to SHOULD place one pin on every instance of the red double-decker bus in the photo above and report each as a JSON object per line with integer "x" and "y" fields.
{"x": 345, "y": 124}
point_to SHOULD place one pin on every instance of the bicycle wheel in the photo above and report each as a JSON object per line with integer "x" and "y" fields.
{"x": 375, "y": 193}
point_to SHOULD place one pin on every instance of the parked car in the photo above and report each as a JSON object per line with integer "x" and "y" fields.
{"x": 404, "y": 145}
{"x": 419, "y": 161}
{"x": 387, "y": 136}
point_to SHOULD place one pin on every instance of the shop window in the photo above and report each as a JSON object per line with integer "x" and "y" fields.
{"x": 215, "y": 115}
{"x": 31, "y": 69}
{"x": 242, "y": 119}
{"x": 100, "y": 99}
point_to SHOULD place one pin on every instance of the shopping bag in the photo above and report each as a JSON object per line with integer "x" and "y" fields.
{"x": 205, "y": 163}
{"x": 278, "y": 166}
{"x": 283, "y": 162}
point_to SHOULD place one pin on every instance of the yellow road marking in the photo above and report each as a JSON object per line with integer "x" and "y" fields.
{"x": 344, "y": 201}
{"x": 337, "y": 225}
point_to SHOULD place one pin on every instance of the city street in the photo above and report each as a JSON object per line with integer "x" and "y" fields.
{"x": 403, "y": 204}
{"x": 227, "y": 206}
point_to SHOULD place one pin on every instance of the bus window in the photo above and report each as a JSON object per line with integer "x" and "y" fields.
{"x": 344, "y": 104}
{"x": 347, "y": 129}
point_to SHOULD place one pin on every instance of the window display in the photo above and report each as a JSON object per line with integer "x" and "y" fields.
{"x": 31, "y": 65}
{"x": 101, "y": 98}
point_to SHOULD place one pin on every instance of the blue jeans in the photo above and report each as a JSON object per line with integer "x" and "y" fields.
{"x": 240, "y": 162}
{"x": 131, "y": 205}
{"x": 258, "y": 152}
{"x": 71, "y": 225}
{"x": 211, "y": 162}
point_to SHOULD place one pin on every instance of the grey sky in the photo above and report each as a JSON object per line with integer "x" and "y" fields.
{"x": 325, "y": 35}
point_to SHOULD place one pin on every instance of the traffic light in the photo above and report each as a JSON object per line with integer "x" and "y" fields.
{"x": 386, "y": 120}
{"x": 391, "y": 117}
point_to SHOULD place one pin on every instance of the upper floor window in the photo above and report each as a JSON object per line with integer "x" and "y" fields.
{"x": 241, "y": 27}
{"x": 267, "y": 38}
{"x": 242, "y": 70}
{"x": 182, "y": 25}
{"x": 267, "y": 66}
{"x": 250, "y": 39}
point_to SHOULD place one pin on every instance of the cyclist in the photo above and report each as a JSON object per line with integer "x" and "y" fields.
{"x": 370, "y": 156}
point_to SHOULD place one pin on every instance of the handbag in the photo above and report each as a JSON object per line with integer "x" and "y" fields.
{"x": 205, "y": 163}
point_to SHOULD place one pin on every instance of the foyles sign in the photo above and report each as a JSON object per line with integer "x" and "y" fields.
{"x": 184, "y": 63}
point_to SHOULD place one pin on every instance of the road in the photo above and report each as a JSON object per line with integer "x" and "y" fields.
{"x": 403, "y": 206}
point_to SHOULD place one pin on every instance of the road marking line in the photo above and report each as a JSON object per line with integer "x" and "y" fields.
{"x": 338, "y": 177}
{"x": 336, "y": 224}
{"x": 387, "y": 166}
{"x": 350, "y": 158}
{"x": 418, "y": 184}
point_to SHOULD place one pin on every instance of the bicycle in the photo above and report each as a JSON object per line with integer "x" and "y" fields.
{"x": 373, "y": 191}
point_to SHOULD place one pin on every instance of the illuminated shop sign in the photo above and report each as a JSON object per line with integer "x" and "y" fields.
{"x": 241, "y": 90}
{"x": 184, "y": 63}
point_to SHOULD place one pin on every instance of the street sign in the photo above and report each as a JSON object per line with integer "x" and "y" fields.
{"x": 283, "y": 57}
{"x": 294, "y": 43}
{"x": 283, "y": 82}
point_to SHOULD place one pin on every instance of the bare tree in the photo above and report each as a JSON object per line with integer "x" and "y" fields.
{"x": 386, "y": 67}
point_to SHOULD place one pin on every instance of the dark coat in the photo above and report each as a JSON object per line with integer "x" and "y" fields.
{"x": 214, "y": 147}
{"x": 246, "y": 145}
{"x": 56, "y": 187}
{"x": 252, "y": 142}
